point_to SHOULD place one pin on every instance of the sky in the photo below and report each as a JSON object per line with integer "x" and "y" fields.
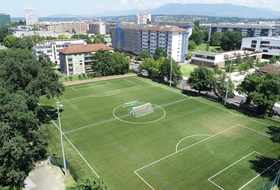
{"x": 15, "y": 8}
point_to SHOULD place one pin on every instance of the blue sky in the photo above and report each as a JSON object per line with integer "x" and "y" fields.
{"x": 91, "y": 7}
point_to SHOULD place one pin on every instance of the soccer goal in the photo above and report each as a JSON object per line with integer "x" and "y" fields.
{"x": 142, "y": 110}
{"x": 130, "y": 105}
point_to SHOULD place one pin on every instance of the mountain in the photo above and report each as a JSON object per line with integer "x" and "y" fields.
{"x": 220, "y": 10}
{"x": 62, "y": 16}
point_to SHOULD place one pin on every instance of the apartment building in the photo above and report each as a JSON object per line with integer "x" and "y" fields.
{"x": 185, "y": 25}
{"x": 52, "y": 47}
{"x": 73, "y": 27}
{"x": 134, "y": 38}
{"x": 31, "y": 17}
{"x": 77, "y": 59}
{"x": 143, "y": 18}
{"x": 269, "y": 46}
{"x": 5, "y": 20}
{"x": 251, "y": 30}
{"x": 211, "y": 59}
{"x": 97, "y": 28}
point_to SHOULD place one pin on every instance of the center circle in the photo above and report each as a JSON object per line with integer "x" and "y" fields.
{"x": 164, "y": 113}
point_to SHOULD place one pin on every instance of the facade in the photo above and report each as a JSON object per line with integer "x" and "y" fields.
{"x": 73, "y": 27}
{"x": 51, "y": 47}
{"x": 97, "y": 28}
{"x": 77, "y": 59}
{"x": 251, "y": 30}
{"x": 5, "y": 20}
{"x": 269, "y": 46}
{"x": 134, "y": 38}
{"x": 186, "y": 25}
{"x": 31, "y": 16}
{"x": 20, "y": 34}
{"x": 211, "y": 59}
{"x": 142, "y": 18}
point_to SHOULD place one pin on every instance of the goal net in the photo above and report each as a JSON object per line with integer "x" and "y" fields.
{"x": 130, "y": 105}
{"x": 142, "y": 110}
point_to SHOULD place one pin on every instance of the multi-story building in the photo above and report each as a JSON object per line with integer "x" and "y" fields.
{"x": 31, "y": 16}
{"x": 251, "y": 30}
{"x": 73, "y": 27}
{"x": 77, "y": 59}
{"x": 143, "y": 18}
{"x": 211, "y": 59}
{"x": 134, "y": 38}
{"x": 269, "y": 46}
{"x": 20, "y": 34}
{"x": 51, "y": 47}
{"x": 5, "y": 20}
{"x": 97, "y": 28}
{"x": 186, "y": 25}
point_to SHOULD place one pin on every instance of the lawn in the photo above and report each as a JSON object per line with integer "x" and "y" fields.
{"x": 186, "y": 69}
{"x": 202, "y": 47}
{"x": 186, "y": 143}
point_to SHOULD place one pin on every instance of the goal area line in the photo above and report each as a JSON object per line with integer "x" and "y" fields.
{"x": 178, "y": 151}
{"x": 275, "y": 162}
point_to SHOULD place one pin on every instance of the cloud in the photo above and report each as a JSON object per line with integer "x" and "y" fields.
{"x": 124, "y": 2}
{"x": 98, "y": 6}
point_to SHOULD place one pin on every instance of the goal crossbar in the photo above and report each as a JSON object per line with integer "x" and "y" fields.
{"x": 130, "y": 105}
{"x": 142, "y": 110}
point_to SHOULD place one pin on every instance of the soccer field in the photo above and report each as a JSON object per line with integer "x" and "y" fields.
{"x": 186, "y": 143}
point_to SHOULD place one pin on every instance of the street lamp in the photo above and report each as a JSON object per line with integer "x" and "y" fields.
{"x": 170, "y": 68}
{"x": 62, "y": 146}
{"x": 228, "y": 83}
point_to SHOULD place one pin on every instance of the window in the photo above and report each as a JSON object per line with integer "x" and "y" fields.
{"x": 265, "y": 50}
{"x": 265, "y": 42}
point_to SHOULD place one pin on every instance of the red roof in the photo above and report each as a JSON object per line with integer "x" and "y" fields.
{"x": 84, "y": 48}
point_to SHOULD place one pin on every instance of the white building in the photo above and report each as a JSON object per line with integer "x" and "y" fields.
{"x": 135, "y": 38}
{"x": 51, "y": 47}
{"x": 97, "y": 28}
{"x": 30, "y": 16}
{"x": 20, "y": 34}
{"x": 211, "y": 59}
{"x": 269, "y": 46}
{"x": 142, "y": 18}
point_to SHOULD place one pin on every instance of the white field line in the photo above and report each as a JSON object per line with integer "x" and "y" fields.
{"x": 176, "y": 149}
{"x": 71, "y": 143}
{"x": 259, "y": 174}
{"x": 255, "y": 131}
{"x": 176, "y": 153}
{"x": 209, "y": 179}
{"x": 73, "y": 88}
{"x": 89, "y": 84}
{"x": 168, "y": 88}
{"x": 101, "y": 94}
{"x": 90, "y": 87}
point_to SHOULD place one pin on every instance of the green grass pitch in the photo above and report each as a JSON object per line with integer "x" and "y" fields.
{"x": 187, "y": 143}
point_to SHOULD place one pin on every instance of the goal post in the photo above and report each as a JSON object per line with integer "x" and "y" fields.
{"x": 130, "y": 105}
{"x": 142, "y": 110}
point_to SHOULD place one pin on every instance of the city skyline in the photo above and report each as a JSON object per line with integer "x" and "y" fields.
{"x": 87, "y": 7}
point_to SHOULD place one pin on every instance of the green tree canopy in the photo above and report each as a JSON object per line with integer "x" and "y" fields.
{"x": 202, "y": 79}
{"x": 191, "y": 45}
{"x": 144, "y": 54}
{"x": 102, "y": 62}
{"x": 159, "y": 52}
{"x": 62, "y": 36}
{"x": 165, "y": 69}
{"x": 3, "y": 33}
{"x": 231, "y": 40}
{"x": 197, "y": 35}
{"x": 151, "y": 66}
{"x": 216, "y": 39}
{"x": 221, "y": 85}
{"x": 87, "y": 184}
{"x": 120, "y": 64}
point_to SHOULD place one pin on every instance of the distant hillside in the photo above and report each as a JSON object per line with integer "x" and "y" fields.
{"x": 220, "y": 10}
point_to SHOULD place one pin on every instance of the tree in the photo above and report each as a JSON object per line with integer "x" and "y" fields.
{"x": 120, "y": 64}
{"x": 159, "y": 52}
{"x": 102, "y": 62}
{"x": 87, "y": 184}
{"x": 3, "y": 33}
{"x": 144, "y": 54}
{"x": 231, "y": 40}
{"x": 197, "y": 35}
{"x": 8, "y": 41}
{"x": 35, "y": 29}
{"x": 251, "y": 62}
{"x": 267, "y": 93}
{"x": 165, "y": 69}
{"x": 196, "y": 23}
{"x": 273, "y": 59}
{"x": 221, "y": 85}
{"x": 191, "y": 45}
{"x": 151, "y": 66}
{"x": 216, "y": 39}
{"x": 249, "y": 85}
{"x": 63, "y": 36}
{"x": 202, "y": 79}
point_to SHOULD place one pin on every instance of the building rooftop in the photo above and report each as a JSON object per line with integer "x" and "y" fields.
{"x": 207, "y": 52}
{"x": 162, "y": 28}
{"x": 257, "y": 26}
{"x": 84, "y": 48}
{"x": 265, "y": 38}
{"x": 275, "y": 68}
